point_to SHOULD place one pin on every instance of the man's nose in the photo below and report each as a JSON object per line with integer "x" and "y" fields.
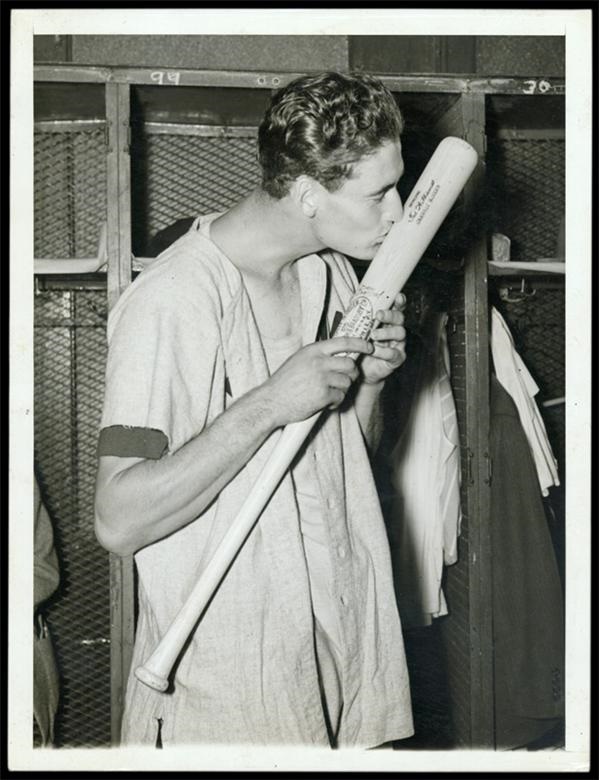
{"x": 394, "y": 209}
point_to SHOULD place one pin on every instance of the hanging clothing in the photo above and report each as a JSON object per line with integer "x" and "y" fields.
{"x": 528, "y": 623}
{"x": 45, "y": 581}
{"x": 518, "y": 382}
{"x": 425, "y": 514}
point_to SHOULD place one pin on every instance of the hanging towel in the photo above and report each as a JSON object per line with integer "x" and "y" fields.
{"x": 519, "y": 384}
{"x": 426, "y": 513}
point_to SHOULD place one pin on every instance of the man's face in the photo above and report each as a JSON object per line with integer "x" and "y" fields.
{"x": 356, "y": 217}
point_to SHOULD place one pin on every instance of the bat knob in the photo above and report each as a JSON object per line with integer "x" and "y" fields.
{"x": 151, "y": 679}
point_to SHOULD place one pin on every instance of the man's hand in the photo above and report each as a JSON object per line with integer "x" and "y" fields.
{"x": 389, "y": 340}
{"x": 316, "y": 377}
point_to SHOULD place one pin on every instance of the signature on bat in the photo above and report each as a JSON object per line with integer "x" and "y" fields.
{"x": 421, "y": 202}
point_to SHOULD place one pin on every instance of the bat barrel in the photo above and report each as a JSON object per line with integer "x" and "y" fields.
{"x": 427, "y": 206}
{"x": 155, "y": 672}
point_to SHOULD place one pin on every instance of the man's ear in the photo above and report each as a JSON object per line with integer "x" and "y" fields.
{"x": 305, "y": 193}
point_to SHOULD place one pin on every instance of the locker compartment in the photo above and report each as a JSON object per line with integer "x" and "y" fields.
{"x": 525, "y": 193}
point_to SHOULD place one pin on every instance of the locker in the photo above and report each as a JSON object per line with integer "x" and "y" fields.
{"x": 121, "y": 153}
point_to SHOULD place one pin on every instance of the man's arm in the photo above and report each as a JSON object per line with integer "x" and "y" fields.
{"x": 139, "y": 501}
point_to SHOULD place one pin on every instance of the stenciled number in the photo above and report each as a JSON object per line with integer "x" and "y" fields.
{"x": 172, "y": 76}
{"x": 534, "y": 86}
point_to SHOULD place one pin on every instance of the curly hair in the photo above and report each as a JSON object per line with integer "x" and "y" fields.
{"x": 320, "y": 125}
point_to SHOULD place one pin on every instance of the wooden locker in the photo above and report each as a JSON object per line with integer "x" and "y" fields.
{"x": 146, "y": 130}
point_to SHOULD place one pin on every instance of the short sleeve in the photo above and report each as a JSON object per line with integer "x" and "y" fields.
{"x": 165, "y": 372}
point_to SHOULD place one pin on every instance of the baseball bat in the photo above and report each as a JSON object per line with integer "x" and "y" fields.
{"x": 426, "y": 208}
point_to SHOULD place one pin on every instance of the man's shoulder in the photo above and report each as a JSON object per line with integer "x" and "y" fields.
{"x": 191, "y": 258}
{"x": 192, "y": 255}
{"x": 189, "y": 274}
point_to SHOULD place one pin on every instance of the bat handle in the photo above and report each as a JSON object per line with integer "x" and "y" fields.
{"x": 157, "y": 669}
{"x": 151, "y": 679}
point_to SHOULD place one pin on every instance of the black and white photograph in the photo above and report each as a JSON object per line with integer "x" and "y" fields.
{"x": 300, "y": 338}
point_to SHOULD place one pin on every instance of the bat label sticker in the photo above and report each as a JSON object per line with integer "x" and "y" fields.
{"x": 358, "y": 320}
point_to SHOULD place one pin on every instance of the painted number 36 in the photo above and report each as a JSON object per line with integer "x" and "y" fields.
{"x": 537, "y": 86}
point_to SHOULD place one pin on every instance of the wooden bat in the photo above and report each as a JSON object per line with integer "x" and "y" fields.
{"x": 427, "y": 206}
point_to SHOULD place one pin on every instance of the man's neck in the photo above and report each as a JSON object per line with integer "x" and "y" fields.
{"x": 262, "y": 235}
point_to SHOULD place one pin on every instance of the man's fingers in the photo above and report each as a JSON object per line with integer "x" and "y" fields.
{"x": 346, "y": 344}
{"x": 394, "y": 333}
{"x": 343, "y": 365}
{"x": 390, "y": 317}
{"x": 337, "y": 398}
{"x": 339, "y": 381}
{"x": 390, "y": 354}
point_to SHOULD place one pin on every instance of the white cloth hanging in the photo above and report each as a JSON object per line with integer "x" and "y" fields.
{"x": 426, "y": 513}
{"x": 514, "y": 377}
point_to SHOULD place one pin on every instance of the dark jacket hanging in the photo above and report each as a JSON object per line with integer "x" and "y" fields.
{"x": 527, "y": 595}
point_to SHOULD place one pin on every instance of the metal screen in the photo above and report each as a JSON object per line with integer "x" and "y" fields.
{"x": 528, "y": 201}
{"x": 177, "y": 174}
{"x": 457, "y": 627}
{"x": 70, "y": 355}
{"x": 69, "y": 187}
{"x": 536, "y": 322}
{"x": 527, "y": 189}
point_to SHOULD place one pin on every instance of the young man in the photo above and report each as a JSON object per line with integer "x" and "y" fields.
{"x": 221, "y": 342}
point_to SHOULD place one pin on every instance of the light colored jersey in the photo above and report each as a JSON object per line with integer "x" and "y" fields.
{"x": 183, "y": 344}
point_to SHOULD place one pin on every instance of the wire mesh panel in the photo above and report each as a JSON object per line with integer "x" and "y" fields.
{"x": 536, "y": 321}
{"x": 69, "y": 187}
{"x": 184, "y": 175}
{"x": 527, "y": 200}
{"x": 456, "y": 628}
{"x": 527, "y": 190}
{"x": 70, "y": 354}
